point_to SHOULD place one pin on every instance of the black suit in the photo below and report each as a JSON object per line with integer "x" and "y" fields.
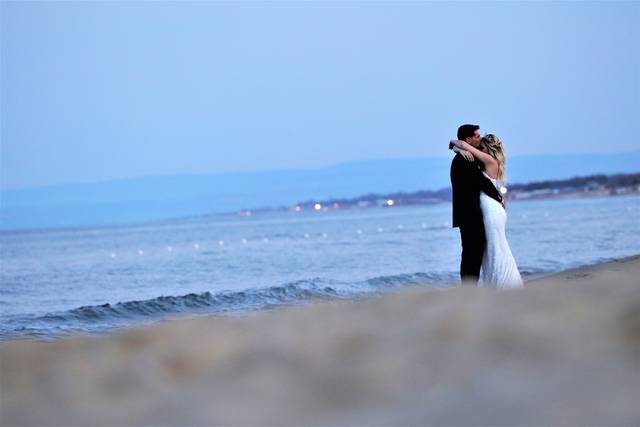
{"x": 467, "y": 181}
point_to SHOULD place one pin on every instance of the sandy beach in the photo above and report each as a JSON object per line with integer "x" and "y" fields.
{"x": 564, "y": 350}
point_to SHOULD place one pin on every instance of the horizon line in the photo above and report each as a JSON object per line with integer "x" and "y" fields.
{"x": 282, "y": 169}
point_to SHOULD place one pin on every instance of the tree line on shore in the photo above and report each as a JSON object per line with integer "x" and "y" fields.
{"x": 575, "y": 184}
{"x": 609, "y": 184}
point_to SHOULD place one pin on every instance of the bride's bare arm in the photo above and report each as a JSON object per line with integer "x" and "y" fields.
{"x": 489, "y": 162}
{"x": 467, "y": 155}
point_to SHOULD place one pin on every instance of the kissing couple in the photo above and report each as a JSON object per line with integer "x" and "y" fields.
{"x": 479, "y": 210}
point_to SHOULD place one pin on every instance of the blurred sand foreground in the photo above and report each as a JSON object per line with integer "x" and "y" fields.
{"x": 565, "y": 350}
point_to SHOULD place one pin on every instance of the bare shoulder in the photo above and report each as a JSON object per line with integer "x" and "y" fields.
{"x": 492, "y": 171}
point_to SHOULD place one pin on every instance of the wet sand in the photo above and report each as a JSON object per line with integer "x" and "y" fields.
{"x": 563, "y": 350}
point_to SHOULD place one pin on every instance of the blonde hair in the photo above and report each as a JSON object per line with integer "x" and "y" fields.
{"x": 495, "y": 148}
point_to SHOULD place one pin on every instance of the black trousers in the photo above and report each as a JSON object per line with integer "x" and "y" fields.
{"x": 473, "y": 243}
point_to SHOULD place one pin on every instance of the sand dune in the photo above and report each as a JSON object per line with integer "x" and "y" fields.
{"x": 564, "y": 350}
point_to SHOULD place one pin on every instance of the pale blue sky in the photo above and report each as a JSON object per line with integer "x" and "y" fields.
{"x": 95, "y": 91}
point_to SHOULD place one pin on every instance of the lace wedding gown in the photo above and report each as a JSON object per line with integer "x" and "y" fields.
{"x": 499, "y": 269}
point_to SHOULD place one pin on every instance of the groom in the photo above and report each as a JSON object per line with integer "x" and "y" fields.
{"x": 467, "y": 181}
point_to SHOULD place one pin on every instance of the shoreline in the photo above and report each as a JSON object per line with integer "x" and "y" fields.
{"x": 151, "y": 322}
{"x": 565, "y": 349}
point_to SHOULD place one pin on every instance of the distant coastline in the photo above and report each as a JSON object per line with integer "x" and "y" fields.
{"x": 576, "y": 187}
{"x": 68, "y": 207}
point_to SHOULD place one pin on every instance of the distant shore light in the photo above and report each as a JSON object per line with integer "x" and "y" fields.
{"x": 317, "y": 206}
{"x": 390, "y": 202}
{"x": 297, "y": 208}
{"x": 503, "y": 190}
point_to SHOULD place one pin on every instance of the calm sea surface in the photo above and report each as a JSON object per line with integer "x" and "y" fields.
{"x": 55, "y": 282}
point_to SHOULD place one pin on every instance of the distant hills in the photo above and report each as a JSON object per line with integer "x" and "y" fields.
{"x": 144, "y": 199}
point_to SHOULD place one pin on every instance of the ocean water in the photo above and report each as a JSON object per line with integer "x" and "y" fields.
{"x": 94, "y": 280}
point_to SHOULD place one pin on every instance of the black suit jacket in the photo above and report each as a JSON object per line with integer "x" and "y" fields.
{"x": 467, "y": 180}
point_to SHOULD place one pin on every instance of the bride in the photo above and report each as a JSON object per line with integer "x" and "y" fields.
{"x": 499, "y": 269}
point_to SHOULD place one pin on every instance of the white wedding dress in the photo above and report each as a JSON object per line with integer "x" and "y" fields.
{"x": 499, "y": 269}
